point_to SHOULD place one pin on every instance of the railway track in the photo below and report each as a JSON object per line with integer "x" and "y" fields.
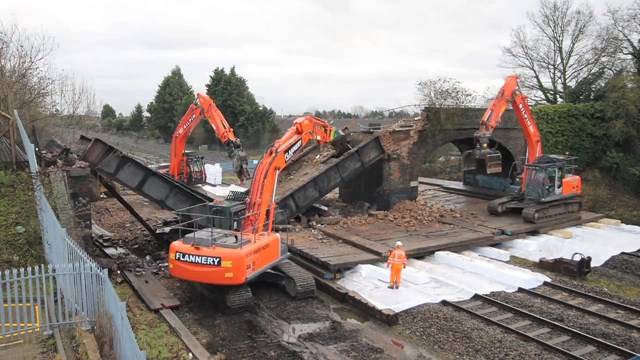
{"x": 606, "y": 309}
{"x": 551, "y": 335}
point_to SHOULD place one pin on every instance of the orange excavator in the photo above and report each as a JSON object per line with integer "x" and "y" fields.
{"x": 235, "y": 258}
{"x": 187, "y": 167}
{"x": 548, "y": 188}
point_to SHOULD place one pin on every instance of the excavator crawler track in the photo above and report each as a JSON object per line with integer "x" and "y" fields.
{"x": 229, "y": 298}
{"x": 547, "y": 211}
{"x": 238, "y": 297}
{"x": 499, "y": 206}
{"x": 300, "y": 282}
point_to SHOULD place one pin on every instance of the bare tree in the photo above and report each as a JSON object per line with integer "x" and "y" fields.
{"x": 359, "y": 110}
{"x": 27, "y": 77}
{"x": 74, "y": 96}
{"x": 562, "y": 48}
{"x": 625, "y": 23}
{"x": 73, "y": 106}
{"x": 444, "y": 92}
{"x": 488, "y": 95}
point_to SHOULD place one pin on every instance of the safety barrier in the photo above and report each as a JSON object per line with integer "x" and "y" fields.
{"x": 72, "y": 289}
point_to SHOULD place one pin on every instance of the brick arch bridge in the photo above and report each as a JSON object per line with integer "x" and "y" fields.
{"x": 396, "y": 177}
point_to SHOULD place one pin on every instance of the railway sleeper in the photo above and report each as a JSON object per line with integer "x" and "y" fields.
{"x": 557, "y": 333}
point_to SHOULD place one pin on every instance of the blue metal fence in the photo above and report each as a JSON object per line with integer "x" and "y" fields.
{"x": 82, "y": 291}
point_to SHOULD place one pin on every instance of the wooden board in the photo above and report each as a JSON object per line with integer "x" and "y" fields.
{"x": 315, "y": 269}
{"x": 186, "y": 336}
{"x": 358, "y": 241}
{"x": 526, "y": 227}
{"x": 464, "y": 223}
{"x": 345, "y": 257}
{"x": 585, "y": 217}
{"x": 155, "y": 295}
{"x": 457, "y": 187}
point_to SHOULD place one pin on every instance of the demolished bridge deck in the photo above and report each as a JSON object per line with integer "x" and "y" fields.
{"x": 343, "y": 247}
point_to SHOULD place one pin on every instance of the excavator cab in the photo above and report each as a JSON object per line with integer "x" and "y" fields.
{"x": 193, "y": 170}
{"x": 549, "y": 179}
{"x": 491, "y": 158}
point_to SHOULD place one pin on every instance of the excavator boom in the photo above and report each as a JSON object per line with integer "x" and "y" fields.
{"x": 262, "y": 192}
{"x": 234, "y": 258}
{"x": 204, "y": 108}
{"x": 509, "y": 94}
{"x": 548, "y": 190}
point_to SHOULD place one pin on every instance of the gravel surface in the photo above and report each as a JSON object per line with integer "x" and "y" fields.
{"x": 454, "y": 334}
{"x": 577, "y": 320}
{"x": 613, "y": 273}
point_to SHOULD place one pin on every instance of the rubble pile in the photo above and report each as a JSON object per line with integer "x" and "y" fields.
{"x": 400, "y": 145}
{"x": 309, "y": 161}
{"x": 120, "y": 223}
{"x": 405, "y": 213}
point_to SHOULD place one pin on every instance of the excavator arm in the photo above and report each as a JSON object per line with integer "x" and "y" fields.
{"x": 204, "y": 107}
{"x": 509, "y": 94}
{"x": 261, "y": 201}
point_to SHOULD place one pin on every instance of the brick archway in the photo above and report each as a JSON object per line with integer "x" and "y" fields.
{"x": 396, "y": 177}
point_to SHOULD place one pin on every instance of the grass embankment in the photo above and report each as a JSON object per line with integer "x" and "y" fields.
{"x": 20, "y": 241}
{"x": 607, "y": 196}
{"x": 153, "y": 334}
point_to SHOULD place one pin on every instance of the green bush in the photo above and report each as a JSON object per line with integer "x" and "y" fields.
{"x": 577, "y": 129}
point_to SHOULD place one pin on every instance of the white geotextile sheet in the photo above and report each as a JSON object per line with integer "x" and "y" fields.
{"x": 600, "y": 244}
{"x": 443, "y": 276}
{"x": 452, "y": 276}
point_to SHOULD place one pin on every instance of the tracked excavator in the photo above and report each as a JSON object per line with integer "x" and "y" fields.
{"x": 188, "y": 167}
{"x": 232, "y": 259}
{"x": 548, "y": 189}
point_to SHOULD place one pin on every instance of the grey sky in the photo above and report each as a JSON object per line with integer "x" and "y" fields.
{"x": 296, "y": 54}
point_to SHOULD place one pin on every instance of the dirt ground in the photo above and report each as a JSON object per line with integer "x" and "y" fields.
{"x": 278, "y": 327}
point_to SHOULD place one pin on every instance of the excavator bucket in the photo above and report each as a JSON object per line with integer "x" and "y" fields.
{"x": 342, "y": 141}
{"x": 492, "y": 160}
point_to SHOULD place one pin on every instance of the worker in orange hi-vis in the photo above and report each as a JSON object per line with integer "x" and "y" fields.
{"x": 397, "y": 261}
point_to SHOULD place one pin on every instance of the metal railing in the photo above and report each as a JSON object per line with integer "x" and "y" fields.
{"x": 217, "y": 223}
{"x": 33, "y": 299}
{"x": 72, "y": 289}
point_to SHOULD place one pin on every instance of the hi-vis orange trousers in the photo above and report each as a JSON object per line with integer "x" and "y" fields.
{"x": 396, "y": 274}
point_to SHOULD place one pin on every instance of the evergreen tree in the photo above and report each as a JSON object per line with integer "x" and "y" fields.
{"x": 172, "y": 100}
{"x": 108, "y": 112}
{"x": 136, "y": 119}
{"x": 254, "y": 124}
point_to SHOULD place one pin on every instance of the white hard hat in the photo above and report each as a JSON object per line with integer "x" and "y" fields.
{"x": 398, "y": 243}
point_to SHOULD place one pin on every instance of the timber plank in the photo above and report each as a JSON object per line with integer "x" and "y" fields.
{"x": 358, "y": 241}
{"x": 585, "y": 217}
{"x": 346, "y": 261}
{"x": 468, "y": 225}
{"x": 397, "y": 232}
{"x": 328, "y": 251}
{"x": 185, "y": 335}
{"x": 525, "y": 227}
{"x": 155, "y": 295}
{"x": 314, "y": 268}
{"x": 334, "y": 262}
